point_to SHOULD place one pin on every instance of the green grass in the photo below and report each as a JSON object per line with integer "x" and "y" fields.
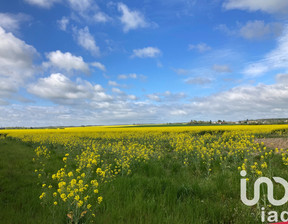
{"x": 166, "y": 193}
{"x": 19, "y": 191}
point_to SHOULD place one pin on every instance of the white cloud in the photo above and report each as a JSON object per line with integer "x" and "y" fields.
{"x": 154, "y": 97}
{"x": 147, "y": 52}
{"x": 87, "y": 11}
{"x": 16, "y": 62}
{"x": 7, "y": 88}
{"x": 256, "y": 69}
{"x": 167, "y": 96}
{"x": 254, "y": 30}
{"x": 99, "y": 66}
{"x": 268, "y": 6}
{"x": 258, "y": 29}
{"x": 62, "y": 23}
{"x": 261, "y": 101}
{"x": 98, "y": 88}
{"x": 11, "y": 22}
{"x": 132, "y": 76}
{"x": 80, "y": 5}
{"x": 178, "y": 112}
{"x": 131, "y": 19}
{"x": 42, "y": 3}
{"x": 58, "y": 87}
{"x": 123, "y": 76}
{"x": 122, "y": 97}
{"x": 198, "y": 81}
{"x": 201, "y": 47}
{"x": 222, "y": 68}
{"x": 61, "y": 90}
{"x": 97, "y": 114}
{"x": 100, "y": 17}
{"x": 282, "y": 78}
{"x": 239, "y": 103}
{"x": 131, "y": 97}
{"x": 116, "y": 90}
{"x": 113, "y": 83}
{"x": 66, "y": 61}
{"x": 86, "y": 40}
{"x": 276, "y": 59}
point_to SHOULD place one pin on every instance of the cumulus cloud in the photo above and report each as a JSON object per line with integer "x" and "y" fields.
{"x": 276, "y": 59}
{"x": 11, "y": 22}
{"x": 131, "y": 19}
{"x": 16, "y": 62}
{"x": 61, "y": 90}
{"x": 201, "y": 47}
{"x": 268, "y": 6}
{"x": 57, "y": 87}
{"x": 86, "y": 40}
{"x": 42, "y": 3}
{"x": 66, "y": 61}
{"x": 14, "y": 53}
{"x": 147, "y": 52}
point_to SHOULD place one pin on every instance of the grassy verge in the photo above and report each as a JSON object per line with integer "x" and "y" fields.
{"x": 19, "y": 191}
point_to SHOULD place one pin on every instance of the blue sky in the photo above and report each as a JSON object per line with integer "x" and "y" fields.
{"x": 85, "y": 62}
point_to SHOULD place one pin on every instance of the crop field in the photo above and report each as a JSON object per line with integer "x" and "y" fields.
{"x": 116, "y": 174}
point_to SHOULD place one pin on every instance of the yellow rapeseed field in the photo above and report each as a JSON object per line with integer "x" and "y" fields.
{"x": 93, "y": 156}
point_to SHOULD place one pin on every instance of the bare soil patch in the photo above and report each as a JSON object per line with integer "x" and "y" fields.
{"x": 280, "y": 143}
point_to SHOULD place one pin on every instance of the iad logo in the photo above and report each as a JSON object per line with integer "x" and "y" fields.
{"x": 272, "y": 215}
{"x": 257, "y": 184}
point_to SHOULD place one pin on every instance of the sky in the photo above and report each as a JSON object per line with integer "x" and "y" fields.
{"x": 95, "y": 62}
